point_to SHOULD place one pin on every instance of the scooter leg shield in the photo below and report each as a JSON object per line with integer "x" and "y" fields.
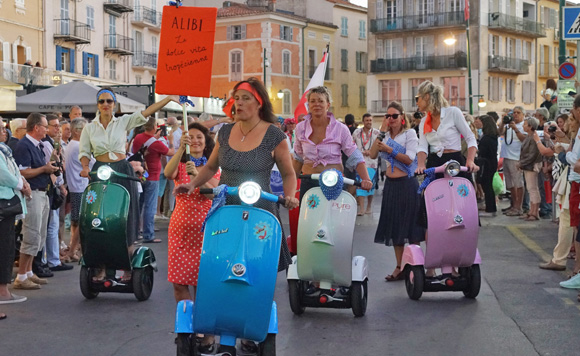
{"x": 273, "y": 327}
{"x": 184, "y": 317}
{"x": 412, "y": 255}
{"x": 293, "y": 269}
{"x": 360, "y": 268}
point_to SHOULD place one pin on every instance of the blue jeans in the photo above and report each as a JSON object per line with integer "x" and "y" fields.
{"x": 52, "y": 244}
{"x": 149, "y": 207}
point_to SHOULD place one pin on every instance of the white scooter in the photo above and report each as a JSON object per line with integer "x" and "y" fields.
{"x": 325, "y": 237}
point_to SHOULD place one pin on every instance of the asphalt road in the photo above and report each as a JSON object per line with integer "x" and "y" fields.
{"x": 520, "y": 310}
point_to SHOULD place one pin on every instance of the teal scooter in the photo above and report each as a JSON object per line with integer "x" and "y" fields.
{"x": 103, "y": 230}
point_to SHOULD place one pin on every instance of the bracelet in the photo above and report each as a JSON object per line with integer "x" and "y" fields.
{"x": 366, "y": 180}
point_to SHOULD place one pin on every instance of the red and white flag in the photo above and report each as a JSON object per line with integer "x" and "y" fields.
{"x": 316, "y": 81}
{"x": 466, "y": 10}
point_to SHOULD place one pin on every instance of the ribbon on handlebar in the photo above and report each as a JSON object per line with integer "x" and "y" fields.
{"x": 219, "y": 200}
{"x": 331, "y": 193}
{"x": 184, "y": 99}
{"x": 199, "y": 161}
{"x": 429, "y": 176}
{"x": 175, "y": 3}
{"x": 390, "y": 157}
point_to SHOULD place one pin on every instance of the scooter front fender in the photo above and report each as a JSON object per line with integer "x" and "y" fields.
{"x": 273, "y": 327}
{"x": 144, "y": 257}
{"x": 184, "y": 317}
{"x": 292, "y": 269}
{"x": 412, "y": 255}
{"x": 360, "y": 268}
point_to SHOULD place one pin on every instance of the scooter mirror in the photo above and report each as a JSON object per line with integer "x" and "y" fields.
{"x": 249, "y": 192}
{"x": 104, "y": 172}
{"x": 329, "y": 178}
{"x": 453, "y": 168}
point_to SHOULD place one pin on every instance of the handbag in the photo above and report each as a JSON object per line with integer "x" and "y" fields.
{"x": 10, "y": 207}
{"x": 57, "y": 198}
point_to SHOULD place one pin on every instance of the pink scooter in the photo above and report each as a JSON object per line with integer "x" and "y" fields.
{"x": 453, "y": 227}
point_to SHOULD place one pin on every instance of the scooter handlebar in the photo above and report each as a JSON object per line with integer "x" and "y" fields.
{"x": 234, "y": 191}
{"x": 205, "y": 190}
{"x": 317, "y": 176}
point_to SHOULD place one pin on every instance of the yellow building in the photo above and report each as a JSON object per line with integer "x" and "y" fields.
{"x": 21, "y": 39}
{"x": 317, "y": 35}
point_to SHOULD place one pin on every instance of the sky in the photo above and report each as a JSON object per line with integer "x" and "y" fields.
{"x": 365, "y": 2}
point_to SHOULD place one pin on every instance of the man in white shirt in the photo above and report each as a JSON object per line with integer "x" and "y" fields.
{"x": 513, "y": 132}
{"x": 364, "y": 139}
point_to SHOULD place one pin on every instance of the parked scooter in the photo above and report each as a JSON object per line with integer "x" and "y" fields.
{"x": 324, "y": 239}
{"x": 237, "y": 275}
{"x": 452, "y": 233}
{"x": 103, "y": 230}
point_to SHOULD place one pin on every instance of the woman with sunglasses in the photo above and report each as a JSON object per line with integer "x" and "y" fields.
{"x": 320, "y": 139}
{"x": 398, "y": 220}
{"x": 105, "y": 139}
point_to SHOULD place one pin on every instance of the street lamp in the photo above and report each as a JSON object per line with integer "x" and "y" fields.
{"x": 280, "y": 94}
{"x": 451, "y": 41}
{"x": 481, "y": 102}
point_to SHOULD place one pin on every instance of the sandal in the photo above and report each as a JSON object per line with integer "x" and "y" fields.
{"x": 99, "y": 276}
{"x": 126, "y": 276}
{"x": 532, "y": 218}
{"x": 513, "y": 213}
{"x": 3, "y": 316}
{"x": 524, "y": 216}
{"x": 392, "y": 277}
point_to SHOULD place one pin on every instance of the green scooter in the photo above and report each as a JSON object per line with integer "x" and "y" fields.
{"x": 103, "y": 223}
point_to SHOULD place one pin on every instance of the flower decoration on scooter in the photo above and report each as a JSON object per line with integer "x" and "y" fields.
{"x": 313, "y": 201}
{"x": 429, "y": 176}
{"x": 263, "y": 231}
{"x": 331, "y": 191}
{"x": 219, "y": 200}
{"x": 91, "y": 196}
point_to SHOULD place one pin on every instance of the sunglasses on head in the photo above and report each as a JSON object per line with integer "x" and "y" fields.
{"x": 394, "y": 116}
{"x": 108, "y": 101}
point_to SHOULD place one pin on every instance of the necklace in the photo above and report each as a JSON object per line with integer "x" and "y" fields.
{"x": 362, "y": 138}
{"x": 246, "y": 134}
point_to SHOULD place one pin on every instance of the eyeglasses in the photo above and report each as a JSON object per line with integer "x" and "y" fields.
{"x": 518, "y": 112}
{"x": 108, "y": 101}
{"x": 416, "y": 98}
{"x": 394, "y": 116}
{"x": 55, "y": 125}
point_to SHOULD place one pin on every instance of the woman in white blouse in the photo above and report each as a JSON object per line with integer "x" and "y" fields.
{"x": 400, "y": 206}
{"x": 105, "y": 138}
{"x": 441, "y": 130}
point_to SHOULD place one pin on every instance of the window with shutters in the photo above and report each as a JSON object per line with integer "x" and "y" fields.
{"x": 237, "y": 32}
{"x": 510, "y": 90}
{"x": 344, "y": 26}
{"x": 235, "y": 65}
{"x": 361, "y": 62}
{"x": 112, "y": 69}
{"x": 90, "y": 64}
{"x": 287, "y": 103}
{"x": 344, "y": 60}
{"x": 65, "y": 59}
{"x": 285, "y": 33}
{"x": 494, "y": 89}
{"x": 362, "y": 93}
{"x": 286, "y": 62}
{"x": 527, "y": 91}
{"x": 391, "y": 9}
{"x": 344, "y": 95}
{"x": 91, "y": 17}
{"x": 138, "y": 79}
{"x": 362, "y": 29}
{"x": 390, "y": 90}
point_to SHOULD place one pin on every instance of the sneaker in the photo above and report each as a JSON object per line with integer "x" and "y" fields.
{"x": 248, "y": 348}
{"x": 206, "y": 349}
{"x": 572, "y": 283}
{"x": 38, "y": 280}
{"x": 25, "y": 284}
{"x": 61, "y": 267}
{"x": 12, "y": 298}
{"x": 552, "y": 266}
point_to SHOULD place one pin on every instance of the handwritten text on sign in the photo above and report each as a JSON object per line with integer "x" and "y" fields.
{"x": 186, "y": 51}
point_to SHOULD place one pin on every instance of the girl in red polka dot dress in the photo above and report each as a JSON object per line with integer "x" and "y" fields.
{"x": 185, "y": 235}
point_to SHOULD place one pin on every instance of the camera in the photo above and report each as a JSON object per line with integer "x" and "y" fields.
{"x": 417, "y": 115}
{"x": 163, "y": 130}
{"x": 381, "y": 136}
{"x": 507, "y": 119}
{"x": 552, "y": 128}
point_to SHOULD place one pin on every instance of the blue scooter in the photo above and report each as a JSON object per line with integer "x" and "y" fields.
{"x": 237, "y": 275}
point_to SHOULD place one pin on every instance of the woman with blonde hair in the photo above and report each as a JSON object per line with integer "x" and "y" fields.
{"x": 398, "y": 220}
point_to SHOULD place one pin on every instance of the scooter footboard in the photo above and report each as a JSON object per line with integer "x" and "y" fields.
{"x": 184, "y": 317}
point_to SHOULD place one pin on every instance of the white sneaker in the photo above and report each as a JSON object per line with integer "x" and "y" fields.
{"x": 572, "y": 283}
{"x": 12, "y": 298}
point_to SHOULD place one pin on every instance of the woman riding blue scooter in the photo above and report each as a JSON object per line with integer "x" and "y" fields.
{"x": 247, "y": 150}
{"x": 105, "y": 138}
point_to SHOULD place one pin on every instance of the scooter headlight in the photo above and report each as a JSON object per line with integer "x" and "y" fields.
{"x": 453, "y": 168}
{"x": 329, "y": 178}
{"x": 104, "y": 172}
{"x": 249, "y": 192}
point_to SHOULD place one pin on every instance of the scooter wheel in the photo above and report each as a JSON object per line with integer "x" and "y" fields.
{"x": 224, "y": 350}
{"x": 142, "y": 283}
{"x": 85, "y": 283}
{"x": 295, "y": 292}
{"x": 474, "y": 282}
{"x": 268, "y": 346}
{"x": 359, "y": 297}
{"x": 414, "y": 281}
{"x": 186, "y": 345}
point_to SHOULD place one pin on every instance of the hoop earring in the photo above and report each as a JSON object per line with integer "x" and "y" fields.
{"x": 403, "y": 122}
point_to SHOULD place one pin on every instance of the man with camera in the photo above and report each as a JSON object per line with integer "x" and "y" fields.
{"x": 153, "y": 148}
{"x": 512, "y": 129}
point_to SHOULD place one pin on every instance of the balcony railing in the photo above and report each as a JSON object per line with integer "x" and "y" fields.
{"x": 21, "y": 74}
{"x": 416, "y": 22}
{"x": 510, "y": 65}
{"x": 516, "y": 25}
{"x": 309, "y": 72}
{"x": 145, "y": 59}
{"x": 73, "y": 31}
{"x": 548, "y": 70}
{"x": 456, "y": 61}
{"x": 118, "y": 44}
{"x": 147, "y": 17}
{"x": 380, "y": 106}
{"x": 119, "y": 5}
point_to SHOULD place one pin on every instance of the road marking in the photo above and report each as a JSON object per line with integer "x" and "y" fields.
{"x": 529, "y": 243}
